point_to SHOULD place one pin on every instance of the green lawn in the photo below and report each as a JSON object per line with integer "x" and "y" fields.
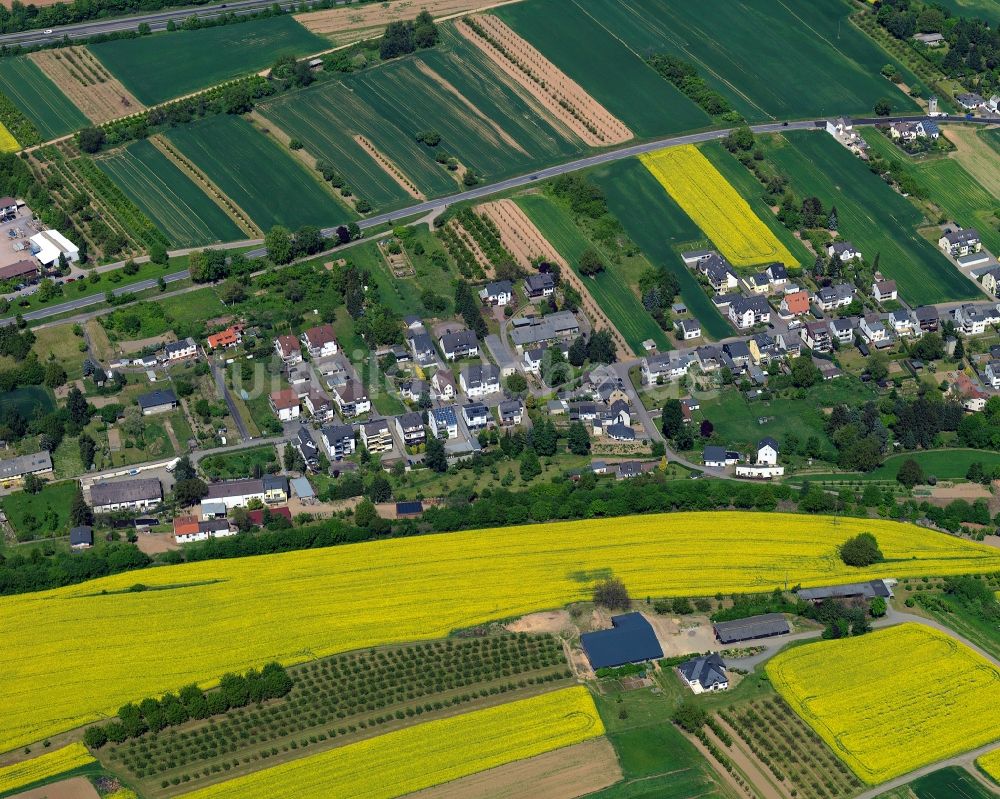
{"x": 662, "y": 230}
{"x": 877, "y": 219}
{"x": 62, "y": 345}
{"x": 185, "y": 214}
{"x": 737, "y": 424}
{"x": 29, "y": 400}
{"x": 167, "y": 65}
{"x": 945, "y": 464}
{"x": 610, "y": 289}
{"x": 241, "y": 463}
{"x": 193, "y": 307}
{"x": 41, "y": 515}
{"x": 953, "y": 782}
{"x": 38, "y": 98}
{"x": 576, "y": 40}
{"x": 945, "y": 182}
{"x": 258, "y": 175}
{"x": 983, "y": 9}
{"x": 772, "y": 59}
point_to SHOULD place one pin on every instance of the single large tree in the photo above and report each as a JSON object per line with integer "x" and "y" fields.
{"x": 672, "y": 418}
{"x": 79, "y": 511}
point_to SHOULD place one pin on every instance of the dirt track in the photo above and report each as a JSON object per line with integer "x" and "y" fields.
{"x": 561, "y": 96}
{"x": 87, "y": 83}
{"x": 562, "y": 774}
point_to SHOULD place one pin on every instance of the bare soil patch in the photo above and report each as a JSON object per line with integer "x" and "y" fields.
{"x": 354, "y": 23}
{"x": 682, "y": 636}
{"x": 74, "y": 788}
{"x": 561, "y": 96}
{"x": 390, "y": 168}
{"x": 549, "y": 621}
{"x": 87, "y": 83}
{"x": 979, "y": 159}
{"x": 562, "y": 774}
{"x": 155, "y": 543}
{"x": 942, "y": 495}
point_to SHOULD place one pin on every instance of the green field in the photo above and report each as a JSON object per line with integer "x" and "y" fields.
{"x": 614, "y": 74}
{"x": 506, "y": 137}
{"x": 953, "y": 782}
{"x": 194, "y": 307}
{"x": 185, "y": 214}
{"x": 167, "y": 65}
{"x": 29, "y": 400}
{"x": 945, "y": 464}
{"x": 662, "y": 230}
{"x": 807, "y": 59}
{"x": 983, "y": 9}
{"x": 946, "y": 183}
{"x": 240, "y": 463}
{"x": 610, "y": 289}
{"x": 258, "y": 175}
{"x": 877, "y": 219}
{"x": 41, "y": 515}
{"x": 39, "y": 99}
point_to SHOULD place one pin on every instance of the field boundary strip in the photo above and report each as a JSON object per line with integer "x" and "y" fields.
{"x": 8, "y": 144}
{"x": 51, "y": 764}
{"x": 559, "y": 95}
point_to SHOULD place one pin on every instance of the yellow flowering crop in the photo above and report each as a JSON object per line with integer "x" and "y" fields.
{"x": 990, "y": 763}
{"x": 8, "y": 144}
{"x": 75, "y": 653}
{"x": 894, "y": 700}
{"x": 715, "y": 206}
{"x": 427, "y": 754}
{"x": 43, "y": 767}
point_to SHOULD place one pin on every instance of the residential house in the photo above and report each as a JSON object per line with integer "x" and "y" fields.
{"x": 511, "y": 412}
{"x": 410, "y": 427}
{"x": 532, "y": 359}
{"x": 159, "y": 401}
{"x": 338, "y": 441}
{"x": 957, "y": 243}
{"x": 269, "y": 489}
{"x": 306, "y": 445}
{"x": 179, "y": 350}
{"x": 443, "y": 385}
{"x": 704, "y": 673}
{"x": 970, "y": 101}
{"x": 626, "y": 470}
{"x": 991, "y": 280}
{"x": 911, "y": 131}
{"x": 319, "y": 405}
{"x": 720, "y": 275}
{"x": 498, "y": 292}
{"x": 842, "y": 330}
{"x": 285, "y": 404}
{"x": 767, "y": 451}
{"x": 830, "y": 298}
{"x": 422, "y": 346}
{"x": 926, "y": 317}
{"x": 746, "y": 312}
{"x": 930, "y": 39}
{"x": 134, "y": 494}
{"x": 320, "y": 341}
{"x": 8, "y": 208}
{"x": 19, "y": 467}
{"x": 443, "y": 422}
{"x": 758, "y": 283}
{"x": 288, "y": 349}
{"x": 872, "y": 328}
{"x": 377, "y": 436}
{"x": 709, "y": 357}
{"x": 884, "y": 290}
{"x": 530, "y": 331}
{"x": 777, "y": 274}
{"x": 902, "y": 323}
{"x": 186, "y": 530}
{"x": 477, "y": 416}
{"x": 993, "y": 104}
{"x": 718, "y": 457}
{"x": 794, "y": 304}
{"x": 738, "y": 352}
{"x": 225, "y": 339}
{"x": 992, "y": 373}
{"x": 973, "y": 319}
{"x": 689, "y": 328}
{"x": 619, "y": 432}
{"x": 461, "y": 344}
{"x": 352, "y": 399}
{"x": 479, "y": 379}
{"x": 540, "y": 285}
{"x": 842, "y": 249}
{"x": 300, "y": 377}
{"x": 413, "y": 390}
{"x": 817, "y": 336}
{"x": 81, "y": 537}
{"x": 665, "y": 366}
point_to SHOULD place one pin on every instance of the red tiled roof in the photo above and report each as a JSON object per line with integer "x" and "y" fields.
{"x": 185, "y": 525}
{"x": 284, "y": 398}
{"x": 257, "y": 516}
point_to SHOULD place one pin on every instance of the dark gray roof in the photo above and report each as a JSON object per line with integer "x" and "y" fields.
{"x": 136, "y": 490}
{"x": 178, "y": 346}
{"x": 510, "y": 407}
{"x": 631, "y": 640}
{"x": 708, "y": 670}
{"x": 410, "y": 421}
{"x": 463, "y": 339}
{"x": 868, "y": 590}
{"x": 539, "y": 282}
{"x": 769, "y": 624}
{"x": 621, "y": 432}
{"x": 713, "y": 453}
{"x": 80, "y": 536}
{"x": 962, "y": 236}
{"x": 25, "y": 464}
{"x": 768, "y": 441}
{"x": 336, "y": 432}
{"x": 163, "y": 396}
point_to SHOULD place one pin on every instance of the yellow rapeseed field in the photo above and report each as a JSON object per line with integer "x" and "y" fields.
{"x": 74, "y": 653}
{"x": 43, "y": 767}
{"x": 991, "y": 764}
{"x": 418, "y": 757}
{"x": 8, "y": 144}
{"x": 894, "y": 700}
{"x": 716, "y": 207}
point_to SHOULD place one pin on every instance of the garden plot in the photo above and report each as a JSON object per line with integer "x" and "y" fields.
{"x": 519, "y": 235}
{"x": 928, "y": 706}
{"x": 87, "y": 83}
{"x": 558, "y": 93}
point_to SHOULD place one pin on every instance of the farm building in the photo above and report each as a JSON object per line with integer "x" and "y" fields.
{"x": 256, "y": 517}
{"x": 22, "y": 271}
{"x": 126, "y": 495}
{"x": 868, "y": 590}
{"x": 630, "y": 640}
{"x": 731, "y": 632}
{"x": 409, "y": 510}
{"x": 81, "y": 537}
{"x": 16, "y": 468}
{"x": 157, "y": 401}
{"x": 705, "y": 673}
{"x": 48, "y": 245}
